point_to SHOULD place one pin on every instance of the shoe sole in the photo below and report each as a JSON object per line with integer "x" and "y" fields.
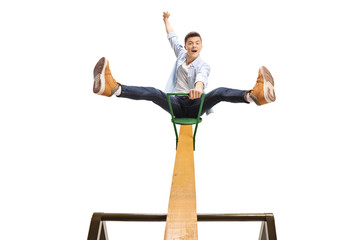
{"x": 269, "y": 90}
{"x": 99, "y": 76}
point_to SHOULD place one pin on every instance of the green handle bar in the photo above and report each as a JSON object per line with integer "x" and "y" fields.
{"x": 198, "y": 119}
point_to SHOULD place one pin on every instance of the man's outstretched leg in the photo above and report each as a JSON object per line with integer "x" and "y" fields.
{"x": 105, "y": 84}
{"x": 264, "y": 91}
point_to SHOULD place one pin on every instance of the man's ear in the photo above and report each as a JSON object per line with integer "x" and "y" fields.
{"x": 185, "y": 47}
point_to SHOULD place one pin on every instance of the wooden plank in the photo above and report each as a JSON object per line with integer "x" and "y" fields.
{"x": 181, "y": 221}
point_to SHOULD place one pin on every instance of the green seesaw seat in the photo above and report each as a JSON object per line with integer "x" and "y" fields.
{"x": 185, "y": 121}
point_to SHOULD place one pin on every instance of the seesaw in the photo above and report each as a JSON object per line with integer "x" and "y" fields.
{"x": 182, "y": 217}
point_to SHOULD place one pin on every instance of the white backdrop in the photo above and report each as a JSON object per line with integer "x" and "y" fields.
{"x": 66, "y": 153}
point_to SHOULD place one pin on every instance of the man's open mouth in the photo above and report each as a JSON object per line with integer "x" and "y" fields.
{"x": 194, "y": 51}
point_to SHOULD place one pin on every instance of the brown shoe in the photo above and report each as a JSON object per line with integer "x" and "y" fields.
{"x": 264, "y": 91}
{"x": 104, "y": 83}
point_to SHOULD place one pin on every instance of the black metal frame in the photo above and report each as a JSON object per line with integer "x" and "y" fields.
{"x": 98, "y": 229}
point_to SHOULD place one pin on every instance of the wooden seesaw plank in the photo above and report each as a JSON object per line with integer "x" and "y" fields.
{"x": 181, "y": 221}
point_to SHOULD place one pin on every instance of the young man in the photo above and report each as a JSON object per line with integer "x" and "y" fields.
{"x": 190, "y": 75}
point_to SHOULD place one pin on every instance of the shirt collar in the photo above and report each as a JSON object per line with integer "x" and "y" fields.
{"x": 196, "y": 62}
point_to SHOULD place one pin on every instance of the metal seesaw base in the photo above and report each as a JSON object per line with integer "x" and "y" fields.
{"x": 98, "y": 229}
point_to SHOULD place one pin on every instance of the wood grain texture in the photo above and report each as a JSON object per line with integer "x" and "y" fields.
{"x": 181, "y": 221}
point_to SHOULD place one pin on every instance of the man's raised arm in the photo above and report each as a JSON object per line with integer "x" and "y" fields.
{"x": 169, "y": 28}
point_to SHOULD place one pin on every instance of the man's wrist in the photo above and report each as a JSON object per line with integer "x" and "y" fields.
{"x": 199, "y": 86}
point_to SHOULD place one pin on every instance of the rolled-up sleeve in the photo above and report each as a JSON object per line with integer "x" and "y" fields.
{"x": 203, "y": 74}
{"x": 176, "y": 46}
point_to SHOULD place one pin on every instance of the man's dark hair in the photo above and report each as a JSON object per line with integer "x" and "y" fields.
{"x": 192, "y": 34}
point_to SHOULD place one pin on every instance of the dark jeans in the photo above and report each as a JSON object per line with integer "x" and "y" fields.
{"x": 182, "y": 106}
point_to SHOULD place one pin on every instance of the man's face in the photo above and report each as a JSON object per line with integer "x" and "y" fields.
{"x": 193, "y": 46}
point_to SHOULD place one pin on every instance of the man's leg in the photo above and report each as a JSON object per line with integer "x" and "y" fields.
{"x": 191, "y": 107}
{"x": 262, "y": 93}
{"x": 105, "y": 84}
{"x": 151, "y": 94}
{"x": 223, "y": 94}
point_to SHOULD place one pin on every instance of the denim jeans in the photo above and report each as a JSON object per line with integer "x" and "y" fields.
{"x": 183, "y": 106}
